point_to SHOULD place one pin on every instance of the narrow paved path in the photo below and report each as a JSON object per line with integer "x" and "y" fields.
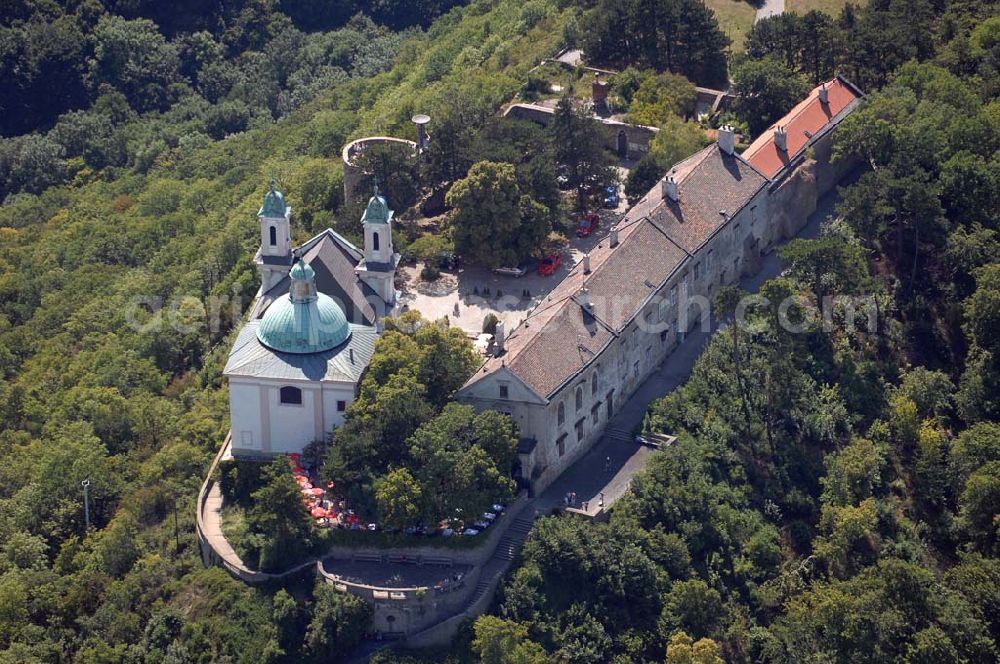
{"x": 770, "y": 8}
{"x": 212, "y": 516}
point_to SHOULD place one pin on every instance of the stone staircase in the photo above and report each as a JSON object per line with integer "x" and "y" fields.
{"x": 507, "y": 549}
{"x": 619, "y": 434}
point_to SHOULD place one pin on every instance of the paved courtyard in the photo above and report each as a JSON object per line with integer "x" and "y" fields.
{"x": 478, "y": 291}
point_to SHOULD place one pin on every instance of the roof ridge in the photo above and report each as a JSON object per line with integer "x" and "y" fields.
{"x": 664, "y": 233}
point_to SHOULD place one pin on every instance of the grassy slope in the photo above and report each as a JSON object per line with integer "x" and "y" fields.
{"x": 831, "y": 7}
{"x": 735, "y": 17}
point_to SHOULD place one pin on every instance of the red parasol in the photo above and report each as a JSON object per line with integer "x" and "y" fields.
{"x": 307, "y": 489}
{"x": 316, "y": 491}
{"x": 318, "y": 512}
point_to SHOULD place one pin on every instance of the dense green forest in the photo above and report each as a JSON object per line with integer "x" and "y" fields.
{"x": 834, "y": 495}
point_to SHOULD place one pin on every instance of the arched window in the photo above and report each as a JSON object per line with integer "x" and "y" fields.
{"x": 561, "y": 413}
{"x": 291, "y": 395}
{"x": 374, "y": 241}
{"x": 593, "y": 385}
{"x": 579, "y": 399}
{"x": 274, "y": 235}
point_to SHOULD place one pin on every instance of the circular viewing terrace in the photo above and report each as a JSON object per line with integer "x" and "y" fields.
{"x": 354, "y": 149}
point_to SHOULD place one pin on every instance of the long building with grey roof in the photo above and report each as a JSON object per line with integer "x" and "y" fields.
{"x": 619, "y": 312}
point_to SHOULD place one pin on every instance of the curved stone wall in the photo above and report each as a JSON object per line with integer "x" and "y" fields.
{"x": 352, "y": 172}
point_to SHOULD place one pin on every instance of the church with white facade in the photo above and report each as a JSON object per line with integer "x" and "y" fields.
{"x": 296, "y": 363}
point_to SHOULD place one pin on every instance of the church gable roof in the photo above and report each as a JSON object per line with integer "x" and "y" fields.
{"x": 334, "y": 260}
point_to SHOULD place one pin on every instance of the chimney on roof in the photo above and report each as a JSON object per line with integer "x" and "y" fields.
{"x": 824, "y": 94}
{"x": 584, "y": 297}
{"x": 727, "y": 139}
{"x": 498, "y": 338}
{"x": 586, "y": 263}
{"x": 613, "y": 237}
{"x": 781, "y": 139}
{"x": 670, "y": 189}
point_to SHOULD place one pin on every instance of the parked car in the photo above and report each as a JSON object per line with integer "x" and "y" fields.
{"x": 550, "y": 264}
{"x": 587, "y": 225}
{"x": 518, "y": 271}
{"x": 611, "y": 197}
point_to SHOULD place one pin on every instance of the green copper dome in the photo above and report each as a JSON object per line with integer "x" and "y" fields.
{"x": 378, "y": 211}
{"x": 274, "y": 204}
{"x": 304, "y": 321}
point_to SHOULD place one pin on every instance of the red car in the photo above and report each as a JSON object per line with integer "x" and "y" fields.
{"x": 588, "y": 224}
{"x": 550, "y": 264}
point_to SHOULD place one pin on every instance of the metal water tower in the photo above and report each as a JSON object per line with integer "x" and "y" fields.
{"x": 423, "y": 139}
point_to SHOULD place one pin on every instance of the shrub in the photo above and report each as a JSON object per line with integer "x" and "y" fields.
{"x": 430, "y": 273}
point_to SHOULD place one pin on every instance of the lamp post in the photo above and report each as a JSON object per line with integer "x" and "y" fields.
{"x": 86, "y": 505}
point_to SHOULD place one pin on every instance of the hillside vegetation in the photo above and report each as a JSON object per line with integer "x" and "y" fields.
{"x": 140, "y": 139}
{"x": 97, "y": 386}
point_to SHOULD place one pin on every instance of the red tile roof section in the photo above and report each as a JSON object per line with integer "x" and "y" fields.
{"x": 808, "y": 118}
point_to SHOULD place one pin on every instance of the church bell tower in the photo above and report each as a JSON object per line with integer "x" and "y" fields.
{"x": 274, "y": 258}
{"x": 378, "y": 269}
